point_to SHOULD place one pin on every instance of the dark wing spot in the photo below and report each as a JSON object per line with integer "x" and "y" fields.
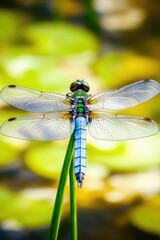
{"x": 11, "y": 119}
{"x": 146, "y": 80}
{"x": 147, "y": 119}
{"x": 12, "y": 86}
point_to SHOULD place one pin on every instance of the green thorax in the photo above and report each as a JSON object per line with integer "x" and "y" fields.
{"x": 83, "y": 94}
{"x": 80, "y": 103}
{"x": 80, "y": 107}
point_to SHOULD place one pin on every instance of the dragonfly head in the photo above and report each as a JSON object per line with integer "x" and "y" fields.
{"x": 79, "y": 85}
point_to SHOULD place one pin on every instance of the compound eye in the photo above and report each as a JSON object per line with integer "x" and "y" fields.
{"x": 86, "y": 88}
{"x": 74, "y": 86}
{"x": 79, "y": 84}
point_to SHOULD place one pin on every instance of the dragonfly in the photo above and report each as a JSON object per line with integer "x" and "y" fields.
{"x": 60, "y": 115}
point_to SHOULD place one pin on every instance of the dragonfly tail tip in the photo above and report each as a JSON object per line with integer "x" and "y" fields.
{"x": 80, "y": 178}
{"x": 79, "y": 184}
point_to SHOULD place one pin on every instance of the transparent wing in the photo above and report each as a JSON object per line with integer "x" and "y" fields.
{"x": 125, "y": 97}
{"x": 114, "y": 127}
{"x": 43, "y": 127}
{"x": 32, "y": 100}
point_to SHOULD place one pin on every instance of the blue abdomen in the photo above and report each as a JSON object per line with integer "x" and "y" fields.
{"x": 80, "y": 149}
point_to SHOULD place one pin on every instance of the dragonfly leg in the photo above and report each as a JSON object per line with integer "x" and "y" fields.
{"x": 69, "y": 97}
{"x": 74, "y": 112}
{"x": 90, "y": 96}
{"x": 85, "y": 101}
{"x": 87, "y": 111}
{"x": 89, "y": 119}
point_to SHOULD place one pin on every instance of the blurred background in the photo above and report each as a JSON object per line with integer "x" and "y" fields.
{"x": 46, "y": 45}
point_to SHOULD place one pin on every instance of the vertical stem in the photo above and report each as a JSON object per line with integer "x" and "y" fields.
{"x": 73, "y": 204}
{"x": 55, "y": 221}
{"x": 91, "y": 16}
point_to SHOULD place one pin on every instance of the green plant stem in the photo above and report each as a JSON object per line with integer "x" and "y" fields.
{"x": 91, "y": 16}
{"x": 57, "y": 211}
{"x": 73, "y": 202}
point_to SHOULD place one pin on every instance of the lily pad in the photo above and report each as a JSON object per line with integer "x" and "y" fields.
{"x": 8, "y": 154}
{"x": 23, "y": 212}
{"x": 147, "y": 216}
{"x": 128, "y": 156}
{"x": 44, "y": 72}
{"x": 59, "y": 39}
{"x": 45, "y": 159}
{"x": 9, "y": 25}
{"x": 124, "y": 67}
{"x": 29, "y": 213}
{"x": 5, "y": 197}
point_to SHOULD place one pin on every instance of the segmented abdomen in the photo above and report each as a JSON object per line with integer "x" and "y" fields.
{"x": 80, "y": 149}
